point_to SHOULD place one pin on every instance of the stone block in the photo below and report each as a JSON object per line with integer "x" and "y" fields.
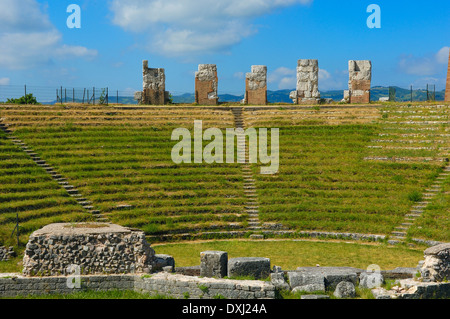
{"x": 306, "y": 281}
{"x": 370, "y": 280}
{"x": 162, "y": 261}
{"x": 345, "y": 289}
{"x": 249, "y": 266}
{"x": 214, "y": 264}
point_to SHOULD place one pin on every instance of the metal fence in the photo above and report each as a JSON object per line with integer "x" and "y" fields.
{"x": 95, "y": 95}
{"x": 61, "y": 95}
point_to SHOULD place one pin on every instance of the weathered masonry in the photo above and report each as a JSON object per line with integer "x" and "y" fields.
{"x": 206, "y": 85}
{"x": 94, "y": 248}
{"x": 256, "y": 86}
{"x": 360, "y": 77}
{"x": 447, "y": 88}
{"x": 154, "y": 86}
{"x": 307, "y": 83}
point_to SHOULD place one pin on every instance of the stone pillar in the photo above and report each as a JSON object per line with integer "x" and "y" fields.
{"x": 154, "y": 85}
{"x": 447, "y": 89}
{"x": 206, "y": 85}
{"x": 214, "y": 264}
{"x": 360, "y": 77}
{"x": 307, "y": 83}
{"x": 256, "y": 86}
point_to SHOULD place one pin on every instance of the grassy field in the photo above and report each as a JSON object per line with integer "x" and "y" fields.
{"x": 291, "y": 254}
{"x": 345, "y": 169}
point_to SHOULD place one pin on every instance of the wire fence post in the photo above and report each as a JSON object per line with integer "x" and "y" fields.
{"x": 93, "y": 96}
{"x": 411, "y": 93}
{"x": 117, "y": 96}
{"x": 61, "y": 96}
{"x": 73, "y": 95}
{"x": 107, "y": 96}
{"x": 84, "y": 93}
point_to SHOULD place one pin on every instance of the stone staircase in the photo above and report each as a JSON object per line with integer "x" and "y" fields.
{"x": 251, "y": 206}
{"x": 400, "y": 232}
{"x": 70, "y": 189}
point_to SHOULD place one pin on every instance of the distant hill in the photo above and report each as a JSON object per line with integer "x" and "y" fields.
{"x": 282, "y": 96}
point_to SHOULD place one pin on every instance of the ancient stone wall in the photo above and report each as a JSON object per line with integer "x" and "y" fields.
{"x": 256, "y": 86}
{"x": 436, "y": 266}
{"x": 360, "y": 76}
{"x": 154, "y": 86}
{"x": 206, "y": 85}
{"x": 447, "y": 89}
{"x": 6, "y": 253}
{"x": 307, "y": 83}
{"x": 95, "y": 248}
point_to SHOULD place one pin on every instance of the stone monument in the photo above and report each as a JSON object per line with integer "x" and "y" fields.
{"x": 154, "y": 86}
{"x": 206, "y": 85}
{"x": 256, "y": 86}
{"x": 360, "y": 76}
{"x": 307, "y": 83}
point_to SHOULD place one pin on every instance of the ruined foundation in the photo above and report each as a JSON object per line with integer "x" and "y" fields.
{"x": 307, "y": 83}
{"x": 360, "y": 76}
{"x": 154, "y": 86}
{"x": 206, "y": 85}
{"x": 256, "y": 86}
{"x": 94, "y": 248}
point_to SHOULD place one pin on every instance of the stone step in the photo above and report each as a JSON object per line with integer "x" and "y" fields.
{"x": 70, "y": 187}
{"x": 63, "y": 183}
{"x": 399, "y": 233}
{"x": 413, "y": 215}
{"x": 254, "y": 224}
{"x": 95, "y": 212}
{"x": 72, "y": 191}
{"x": 401, "y": 228}
{"x": 256, "y": 237}
{"x": 88, "y": 207}
{"x": 252, "y": 211}
{"x": 407, "y": 224}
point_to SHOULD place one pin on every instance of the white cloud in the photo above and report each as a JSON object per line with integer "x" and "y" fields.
{"x": 5, "y": 81}
{"x": 442, "y": 55}
{"x": 426, "y": 65}
{"x": 29, "y": 39}
{"x": 284, "y": 78}
{"x": 193, "y": 26}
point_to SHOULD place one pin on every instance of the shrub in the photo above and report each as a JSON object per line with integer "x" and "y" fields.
{"x": 27, "y": 99}
{"x": 415, "y": 196}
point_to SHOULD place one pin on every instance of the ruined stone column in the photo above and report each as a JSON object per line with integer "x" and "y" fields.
{"x": 256, "y": 86}
{"x": 307, "y": 83}
{"x": 206, "y": 85}
{"x": 154, "y": 85}
{"x": 447, "y": 88}
{"x": 360, "y": 77}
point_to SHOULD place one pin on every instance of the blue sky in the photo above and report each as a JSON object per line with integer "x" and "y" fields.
{"x": 37, "y": 47}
